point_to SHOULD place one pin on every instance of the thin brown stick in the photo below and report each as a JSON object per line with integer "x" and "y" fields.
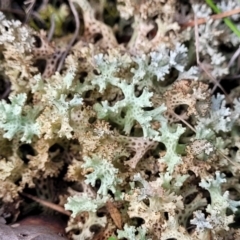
{"x": 214, "y": 80}
{"x": 52, "y": 28}
{"x": 214, "y": 17}
{"x": 232, "y": 60}
{"x": 75, "y": 14}
{"x": 196, "y": 38}
{"x": 29, "y": 9}
{"x": 185, "y": 122}
{"x": 233, "y": 163}
{"x": 19, "y": 12}
{"x": 234, "y": 57}
{"x": 47, "y": 204}
{"x": 233, "y": 77}
{"x": 209, "y": 74}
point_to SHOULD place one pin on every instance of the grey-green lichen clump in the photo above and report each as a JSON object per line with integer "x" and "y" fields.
{"x": 130, "y": 119}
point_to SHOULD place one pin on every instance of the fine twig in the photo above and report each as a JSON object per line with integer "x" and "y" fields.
{"x": 214, "y": 17}
{"x": 234, "y": 57}
{"x": 210, "y": 75}
{"x": 232, "y": 26}
{"x": 185, "y": 122}
{"x": 233, "y": 77}
{"x": 232, "y": 60}
{"x": 226, "y": 20}
{"x": 29, "y": 9}
{"x": 52, "y": 28}
{"x": 76, "y": 17}
{"x": 214, "y": 80}
{"x": 15, "y": 11}
{"x": 233, "y": 163}
{"x": 47, "y": 204}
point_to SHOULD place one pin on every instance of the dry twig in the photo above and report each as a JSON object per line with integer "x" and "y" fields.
{"x": 47, "y": 204}
{"x": 52, "y": 28}
{"x": 76, "y": 17}
{"x": 29, "y": 9}
{"x": 212, "y": 78}
{"x": 201, "y": 65}
{"x": 214, "y": 17}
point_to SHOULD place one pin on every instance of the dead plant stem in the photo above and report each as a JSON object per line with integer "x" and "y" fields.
{"x": 214, "y": 17}
{"x": 47, "y": 204}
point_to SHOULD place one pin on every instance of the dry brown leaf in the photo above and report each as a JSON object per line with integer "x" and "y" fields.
{"x": 115, "y": 214}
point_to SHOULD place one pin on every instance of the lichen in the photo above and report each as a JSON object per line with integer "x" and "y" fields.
{"x": 131, "y": 134}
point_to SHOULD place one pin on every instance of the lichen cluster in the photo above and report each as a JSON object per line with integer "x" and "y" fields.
{"x": 130, "y": 134}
